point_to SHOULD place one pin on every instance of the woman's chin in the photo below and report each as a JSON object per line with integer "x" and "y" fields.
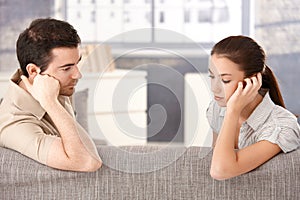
{"x": 221, "y": 103}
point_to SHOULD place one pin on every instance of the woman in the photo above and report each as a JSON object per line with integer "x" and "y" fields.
{"x": 254, "y": 126}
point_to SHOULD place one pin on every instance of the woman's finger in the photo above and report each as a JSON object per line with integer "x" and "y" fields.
{"x": 259, "y": 78}
{"x": 254, "y": 82}
{"x": 248, "y": 84}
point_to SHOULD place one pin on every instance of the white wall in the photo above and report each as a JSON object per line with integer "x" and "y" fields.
{"x": 196, "y": 100}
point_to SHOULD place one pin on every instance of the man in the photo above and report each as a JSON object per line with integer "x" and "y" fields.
{"x": 36, "y": 117}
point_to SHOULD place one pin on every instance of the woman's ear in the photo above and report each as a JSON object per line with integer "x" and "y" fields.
{"x": 32, "y": 70}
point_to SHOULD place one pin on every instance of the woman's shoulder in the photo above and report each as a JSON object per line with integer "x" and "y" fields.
{"x": 281, "y": 128}
{"x": 275, "y": 114}
{"x": 283, "y": 116}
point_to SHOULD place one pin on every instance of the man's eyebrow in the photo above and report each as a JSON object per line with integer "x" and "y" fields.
{"x": 70, "y": 64}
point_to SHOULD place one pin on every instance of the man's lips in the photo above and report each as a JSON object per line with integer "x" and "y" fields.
{"x": 73, "y": 84}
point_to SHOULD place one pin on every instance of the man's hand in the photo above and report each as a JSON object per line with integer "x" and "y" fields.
{"x": 45, "y": 89}
{"x": 73, "y": 149}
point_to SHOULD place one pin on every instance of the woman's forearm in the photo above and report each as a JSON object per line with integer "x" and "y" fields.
{"x": 224, "y": 158}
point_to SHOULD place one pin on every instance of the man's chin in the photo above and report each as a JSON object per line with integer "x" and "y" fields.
{"x": 68, "y": 93}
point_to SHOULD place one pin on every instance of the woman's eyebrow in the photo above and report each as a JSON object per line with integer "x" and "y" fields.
{"x": 225, "y": 74}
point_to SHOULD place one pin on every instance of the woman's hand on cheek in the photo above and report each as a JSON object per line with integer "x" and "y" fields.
{"x": 244, "y": 95}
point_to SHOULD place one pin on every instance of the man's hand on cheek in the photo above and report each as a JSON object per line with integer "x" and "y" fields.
{"x": 45, "y": 89}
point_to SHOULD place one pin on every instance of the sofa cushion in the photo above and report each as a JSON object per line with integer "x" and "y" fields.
{"x": 80, "y": 103}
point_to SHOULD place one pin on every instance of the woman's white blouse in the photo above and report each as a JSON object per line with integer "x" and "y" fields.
{"x": 267, "y": 122}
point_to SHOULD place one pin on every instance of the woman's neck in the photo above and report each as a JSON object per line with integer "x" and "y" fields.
{"x": 247, "y": 111}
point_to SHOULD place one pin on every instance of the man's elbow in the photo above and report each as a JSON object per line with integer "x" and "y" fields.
{"x": 97, "y": 165}
{"x": 92, "y": 165}
{"x": 85, "y": 165}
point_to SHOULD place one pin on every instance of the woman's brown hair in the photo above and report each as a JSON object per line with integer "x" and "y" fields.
{"x": 245, "y": 52}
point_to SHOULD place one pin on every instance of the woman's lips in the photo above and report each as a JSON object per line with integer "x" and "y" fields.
{"x": 218, "y": 98}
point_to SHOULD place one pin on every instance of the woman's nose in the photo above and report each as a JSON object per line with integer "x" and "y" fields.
{"x": 216, "y": 86}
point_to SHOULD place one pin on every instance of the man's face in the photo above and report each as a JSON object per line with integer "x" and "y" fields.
{"x": 64, "y": 68}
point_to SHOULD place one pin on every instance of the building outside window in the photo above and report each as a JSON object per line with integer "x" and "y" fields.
{"x": 97, "y": 21}
{"x": 203, "y": 21}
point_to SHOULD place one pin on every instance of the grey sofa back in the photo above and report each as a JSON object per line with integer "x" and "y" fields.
{"x": 185, "y": 177}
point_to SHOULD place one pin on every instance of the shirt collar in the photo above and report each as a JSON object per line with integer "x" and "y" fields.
{"x": 22, "y": 99}
{"x": 261, "y": 112}
{"x": 222, "y": 111}
{"x": 25, "y": 101}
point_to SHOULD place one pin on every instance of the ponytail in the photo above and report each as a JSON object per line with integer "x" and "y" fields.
{"x": 269, "y": 81}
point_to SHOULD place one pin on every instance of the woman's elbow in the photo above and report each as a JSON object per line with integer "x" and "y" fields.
{"x": 220, "y": 173}
{"x": 216, "y": 175}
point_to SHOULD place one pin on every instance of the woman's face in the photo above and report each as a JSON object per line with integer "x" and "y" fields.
{"x": 225, "y": 76}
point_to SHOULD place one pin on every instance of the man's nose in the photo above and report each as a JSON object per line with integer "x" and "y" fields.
{"x": 77, "y": 74}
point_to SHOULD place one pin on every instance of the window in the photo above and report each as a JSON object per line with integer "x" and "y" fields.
{"x": 203, "y": 21}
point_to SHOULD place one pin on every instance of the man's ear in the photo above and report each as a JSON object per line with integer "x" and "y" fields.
{"x": 32, "y": 70}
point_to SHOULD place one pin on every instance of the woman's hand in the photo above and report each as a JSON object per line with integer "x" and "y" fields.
{"x": 244, "y": 95}
{"x": 45, "y": 89}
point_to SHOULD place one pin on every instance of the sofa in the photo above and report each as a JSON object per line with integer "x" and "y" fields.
{"x": 148, "y": 172}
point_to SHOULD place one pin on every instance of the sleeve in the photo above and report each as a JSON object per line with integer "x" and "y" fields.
{"x": 285, "y": 133}
{"x": 28, "y": 139}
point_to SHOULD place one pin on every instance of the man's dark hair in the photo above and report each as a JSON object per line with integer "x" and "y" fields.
{"x": 35, "y": 44}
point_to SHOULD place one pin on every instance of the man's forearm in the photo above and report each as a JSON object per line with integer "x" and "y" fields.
{"x": 76, "y": 142}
